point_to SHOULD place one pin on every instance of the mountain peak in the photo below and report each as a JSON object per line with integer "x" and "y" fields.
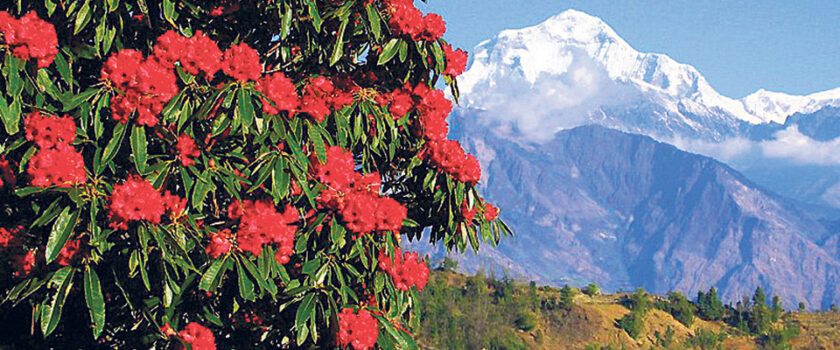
{"x": 582, "y": 53}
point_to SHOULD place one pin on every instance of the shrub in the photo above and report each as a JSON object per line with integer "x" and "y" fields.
{"x": 592, "y": 289}
{"x": 567, "y": 297}
{"x": 200, "y": 172}
{"x": 526, "y": 319}
{"x": 633, "y": 323}
{"x": 679, "y": 307}
{"x": 706, "y": 339}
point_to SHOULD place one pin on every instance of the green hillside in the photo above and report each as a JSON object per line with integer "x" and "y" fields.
{"x": 474, "y": 312}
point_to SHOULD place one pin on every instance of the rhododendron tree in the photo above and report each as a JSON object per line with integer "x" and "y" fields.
{"x": 219, "y": 173}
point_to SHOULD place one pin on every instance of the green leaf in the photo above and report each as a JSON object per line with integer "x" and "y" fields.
{"x": 338, "y": 49}
{"x": 169, "y": 10}
{"x": 138, "y": 147}
{"x": 246, "y": 287}
{"x": 287, "y": 22}
{"x": 62, "y": 280}
{"x": 70, "y": 103}
{"x": 211, "y": 277}
{"x": 373, "y": 19}
{"x": 61, "y": 230}
{"x": 112, "y": 147}
{"x": 64, "y": 69}
{"x": 11, "y": 118}
{"x": 388, "y": 52}
{"x": 304, "y": 312}
{"x": 245, "y": 107}
{"x": 95, "y": 301}
{"x": 82, "y": 18}
{"x": 315, "y": 16}
{"x": 402, "y": 338}
{"x": 318, "y": 142}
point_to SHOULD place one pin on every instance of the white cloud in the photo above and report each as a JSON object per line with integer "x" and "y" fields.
{"x": 788, "y": 144}
{"x": 792, "y": 144}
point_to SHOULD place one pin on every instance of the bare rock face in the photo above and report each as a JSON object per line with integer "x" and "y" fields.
{"x": 623, "y": 210}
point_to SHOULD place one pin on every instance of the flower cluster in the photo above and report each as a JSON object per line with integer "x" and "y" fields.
{"x": 60, "y": 166}
{"x": 196, "y": 54}
{"x": 242, "y": 63}
{"x": 281, "y": 93}
{"x": 359, "y": 330}
{"x": 57, "y": 163}
{"x": 406, "y": 19}
{"x": 147, "y": 84}
{"x": 320, "y": 95}
{"x": 456, "y": 61}
{"x": 433, "y": 108}
{"x": 449, "y": 156}
{"x": 261, "y": 223}
{"x": 220, "y": 243}
{"x": 48, "y": 131}
{"x": 355, "y": 196}
{"x": 187, "y": 150}
{"x": 406, "y": 269}
{"x": 30, "y": 37}
{"x": 491, "y": 212}
{"x": 468, "y": 213}
{"x": 22, "y": 260}
{"x": 7, "y": 176}
{"x": 68, "y": 253}
{"x": 137, "y": 200}
{"x": 198, "y": 337}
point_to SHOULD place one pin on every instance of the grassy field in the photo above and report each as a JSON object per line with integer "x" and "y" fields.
{"x": 472, "y": 312}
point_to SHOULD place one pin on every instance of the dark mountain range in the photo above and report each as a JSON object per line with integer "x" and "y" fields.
{"x": 623, "y": 210}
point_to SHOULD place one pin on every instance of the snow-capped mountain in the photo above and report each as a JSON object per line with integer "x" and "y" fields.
{"x": 576, "y": 63}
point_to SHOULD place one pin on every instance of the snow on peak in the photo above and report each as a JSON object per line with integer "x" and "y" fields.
{"x": 577, "y": 48}
{"x": 777, "y": 106}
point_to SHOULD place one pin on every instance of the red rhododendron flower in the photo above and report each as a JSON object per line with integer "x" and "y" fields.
{"x": 218, "y": 11}
{"x": 220, "y": 243}
{"x": 174, "y": 204}
{"x": 30, "y": 38}
{"x": 60, "y": 166}
{"x": 47, "y": 131}
{"x": 187, "y": 150}
{"x": 449, "y": 156}
{"x": 242, "y": 63}
{"x": 7, "y": 176}
{"x": 468, "y": 213}
{"x": 433, "y": 27}
{"x": 198, "y": 336}
{"x": 321, "y": 95}
{"x": 146, "y": 82}
{"x": 68, "y": 253}
{"x": 23, "y": 263}
{"x": 491, "y": 212}
{"x": 261, "y": 223}
{"x": 281, "y": 92}
{"x": 406, "y": 269}
{"x": 456, "y": 61}
{"x": 197, "y": 54}
{"x": 400, "y": 101}
{"x": 434, "y": 108}
{"x": 356, "y": 196}
{"x": 8, "y": 237}
{"x": 359, "y": 330}
{"x": 135, "y": 200}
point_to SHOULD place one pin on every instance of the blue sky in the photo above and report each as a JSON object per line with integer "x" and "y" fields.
{"x": 791, "y": 46}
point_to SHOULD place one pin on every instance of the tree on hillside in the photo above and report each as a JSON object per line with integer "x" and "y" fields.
{"x": 682, "y": 309}
{"x": 567, "y": 297}
{"x": 592, "y": 289}
{"x": 776, "y": 309}
{"x": 193, "y": 173}
{"x": 709, "y": 305}
{"x": 759, "y": 318}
